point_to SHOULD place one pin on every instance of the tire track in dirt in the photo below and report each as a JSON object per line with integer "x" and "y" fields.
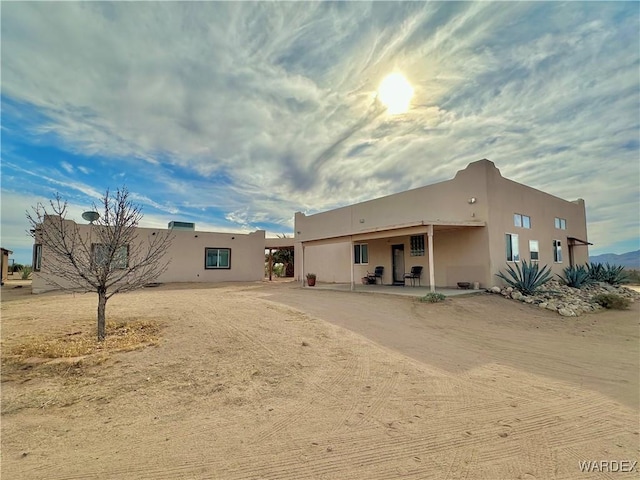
{"x": 381, "y": 397}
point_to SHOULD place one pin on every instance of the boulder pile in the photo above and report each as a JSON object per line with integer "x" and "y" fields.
{"x": 566, "y": 301}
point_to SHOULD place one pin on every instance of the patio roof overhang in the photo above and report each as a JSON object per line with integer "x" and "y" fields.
{"x": 577, "y": 241}
{"x": 399, "y": 230}
{"x": 278, "y": 242}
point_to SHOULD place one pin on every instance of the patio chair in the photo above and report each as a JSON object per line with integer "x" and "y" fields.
{"x": 377, "y": 274}
{"x": 416, "y": 272}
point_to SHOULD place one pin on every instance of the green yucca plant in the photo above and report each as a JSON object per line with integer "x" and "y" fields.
{"x": 576, "y": 277}
{"x": 528, "y": 278}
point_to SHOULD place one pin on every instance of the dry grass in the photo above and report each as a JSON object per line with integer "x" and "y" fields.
{"x": 121, "y": 336}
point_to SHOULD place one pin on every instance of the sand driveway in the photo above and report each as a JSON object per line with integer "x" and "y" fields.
{"x": 251, "y": 382}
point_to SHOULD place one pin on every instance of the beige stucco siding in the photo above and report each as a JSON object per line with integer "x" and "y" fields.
{"x": 478, "y": 205}
{"x": 331, "y": 262}
{"x": 186, "y": 256}
{"x": 507, "y": 198}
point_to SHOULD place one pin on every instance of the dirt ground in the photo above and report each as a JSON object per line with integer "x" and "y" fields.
{"x": 256, "y": 381}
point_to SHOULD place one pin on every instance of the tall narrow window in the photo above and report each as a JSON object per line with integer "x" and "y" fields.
{"x": 37, "y": 257}
{"x": 513, "y": 250}
{"x": 417, "y": 245}
{"x": 533, "y": 250}
{"x": 557, "y": 251}
{"x": 217, "y": 258}
{"x": 361, "y": 253}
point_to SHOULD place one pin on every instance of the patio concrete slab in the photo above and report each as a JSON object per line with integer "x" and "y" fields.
{"x": 406, "y": 291}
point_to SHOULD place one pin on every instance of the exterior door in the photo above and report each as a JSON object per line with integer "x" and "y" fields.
{"x": 397, "y": 256}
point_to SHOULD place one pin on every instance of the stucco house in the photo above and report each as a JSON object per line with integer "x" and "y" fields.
{"x": 461, "y": 230}
{"x": 195, "y": 256}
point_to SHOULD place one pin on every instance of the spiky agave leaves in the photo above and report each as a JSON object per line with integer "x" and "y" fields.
{"x": 528, "y": 278}
{"x": 576, "y": 276}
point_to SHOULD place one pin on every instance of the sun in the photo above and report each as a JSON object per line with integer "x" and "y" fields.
{"x": 395, "y": 93}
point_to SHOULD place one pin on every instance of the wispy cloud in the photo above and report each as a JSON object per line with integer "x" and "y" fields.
{"x": 240, "y": 114}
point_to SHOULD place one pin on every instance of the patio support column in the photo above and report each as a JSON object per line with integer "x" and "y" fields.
{"x": 353, "y": 285}
{"x": 432, "y": 276}
{"x": 270, "y": 263}
{"x": 302, "y": 267}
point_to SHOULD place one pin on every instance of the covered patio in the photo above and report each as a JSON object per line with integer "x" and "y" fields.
{"x": 386, "y": 247}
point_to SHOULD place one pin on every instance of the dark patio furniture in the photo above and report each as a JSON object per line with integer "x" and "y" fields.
{"x": 416, "y": 272}
{"x": 377, "y": 274}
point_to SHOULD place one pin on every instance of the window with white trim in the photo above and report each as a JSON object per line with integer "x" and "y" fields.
{"x": 217, "y": 258}
{"x": 103, "y": 253}
{"x": 561, "y": 223}
{"x": 534, "y": 252}
{"x": 360, "y": 253}
{"x": 417, "y": 245}
{"x": 513, "y": 250}
{"x": 522, "y": 221}
{"x": 557, "y": 251}
{"x": 37, "y": 257}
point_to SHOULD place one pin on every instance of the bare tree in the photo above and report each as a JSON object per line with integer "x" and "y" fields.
{"x": 109, "y": 256}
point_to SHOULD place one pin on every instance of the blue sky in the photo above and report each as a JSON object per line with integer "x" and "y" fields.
{"x": 236, "y": 115}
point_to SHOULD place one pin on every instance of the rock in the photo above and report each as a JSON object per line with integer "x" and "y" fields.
{"x": 509, "y": 289}
{"x": 552, "y": 307}
{"x": 543, "y": 305}
{"x": 495, "y": 290}
{"x": 528, "y": 300}
{"x": 516, "y": 295}
{"x": 566, "y": 312}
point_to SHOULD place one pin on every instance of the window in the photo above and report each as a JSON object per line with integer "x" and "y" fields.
{"x": 417, "y": 245}
{"x": 361, "y": 253}
{"x": 533, "y": 250}
{"x": 101, "y": 253}
{"x": 561, "y": 223}
{"x": 37, "y": 257}
{"x": 217, "y": 258}
{"x": 513, "y": 252}
{"x": 522, "y": 221}
{"x": 557, "y": 251}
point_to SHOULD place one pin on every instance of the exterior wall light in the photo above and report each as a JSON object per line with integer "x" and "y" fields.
{"x": 472, "y": 200}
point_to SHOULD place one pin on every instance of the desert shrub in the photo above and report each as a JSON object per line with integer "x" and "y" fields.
{"x": 611, "y": 300}
{"x": 433, "y": 297}
{"x": 25, "y": 272}
{"x": 528, "y": 278}
{"x": 576, "y": 277}
{"x": 16, "y": 267}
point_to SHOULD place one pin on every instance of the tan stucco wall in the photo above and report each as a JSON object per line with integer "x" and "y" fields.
{"x": 187, "y": 254}
{"x": 335, "y": 270}
{"x": 469, "y": 254}
{"x": 507, "y": 197}
{"x": 187, "y": 257}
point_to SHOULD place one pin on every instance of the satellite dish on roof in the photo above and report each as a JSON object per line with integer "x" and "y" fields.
{"x": 91, "y": 216}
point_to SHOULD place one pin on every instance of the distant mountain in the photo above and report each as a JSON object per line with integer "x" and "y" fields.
{"x": 627, "y": 260}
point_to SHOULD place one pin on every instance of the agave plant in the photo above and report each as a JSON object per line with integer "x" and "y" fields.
{"x": 611, "y": 274}
{"x": 595, "y": 271}
{"x": 528, "y": 278}
{"x": 576, "y": 277}
{"x": 614, "y": 274}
